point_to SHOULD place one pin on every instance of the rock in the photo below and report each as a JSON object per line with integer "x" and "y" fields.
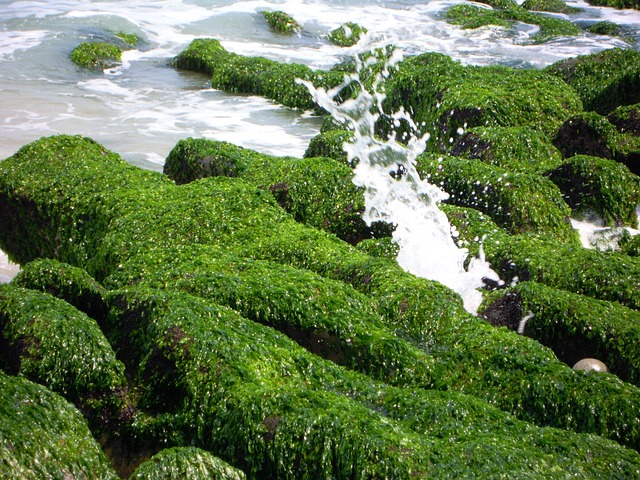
{"x": 347, "y": 34}
{"x": 592, "y": 134}
{"x": 517, "y": 202}
{"x": 604, "y": 80}
{"x": 516, "y": 149}
{"x": 318, "y": 192}
{"x": 446, "y": 98}
{"x": 599, "y": 190}
{"x": 44, "y": 436}
{"x": 591, "y": 365}
{"x": 255, "y": 75}
{"x": 281, "y": 22}
{"x": 97, "y": 55}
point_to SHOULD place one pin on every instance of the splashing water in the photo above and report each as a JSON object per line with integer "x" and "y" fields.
{"x": 395, "y": 193}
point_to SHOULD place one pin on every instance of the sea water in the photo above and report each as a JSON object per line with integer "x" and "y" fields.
{"x": 142, "y": 108}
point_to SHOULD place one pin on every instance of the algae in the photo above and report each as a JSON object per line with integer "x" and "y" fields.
{"x": 599, "y": 190}
{"x": 604, "y": 80}
{"x": 44, "y": 436}
{"x": 281, "y": 22}
{"x": 347, "y": 34}
{"x": 96, "y": 55}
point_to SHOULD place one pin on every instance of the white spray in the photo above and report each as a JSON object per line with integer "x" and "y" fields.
{"x": 395, "y": 193}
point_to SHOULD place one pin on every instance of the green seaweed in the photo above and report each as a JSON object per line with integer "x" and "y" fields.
{"x": 554, "y": 6}
{"x": 50, "y": 342}
{"x": 281, "y": 22}
{"x": 96, "y": 55}
{"x": 576, "y": 326}
{"x": 604, "y": 80}
{"x": 518, "y": 202}
{"x": 255, "y": 75}
{"x": 516, "y": 149}
{"x": 599, "y": 189}
{"x": 472, "y": 16}
{"x": 44, "y": 436}
{"x": 182, "y": 463}
{"x": 318, "y": 192}
{"x": 446, "y": 98}
{"x": 347, "y": 34}
{"x": 71, "y": 284}
{"x": 200, "y": 367}
{"x": 610, "y": 276}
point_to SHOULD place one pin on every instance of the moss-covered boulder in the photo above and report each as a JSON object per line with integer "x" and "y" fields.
{"x": 187, "y": 463}
{"x": 516, "y": 149}
{"x": 599, "y": 190}
{"x": 50, "y": 342}
{"x": 591, "y": 134}
{"x": 518, "y": 202}
{"x": 574, "y": 326}
{"x": 611, "y": 276}
{"x": 330, "y": 144}
{"x": 318, "y": 192}
{"x": 96, "y": 55}
{"x": 616, "y": 3}
{"x": 626, "y": 119}
{"x": 446, "y": 98}
{"x": 44, "y": 436}
{"x": 604, "y": 80}
{"x": 256, "y": 75}
{"x": 237, "y": 381}
{"x": 347, "y": 34}
{"x": 553, "y": 6}
{"x": 281, "y": 22}
{"x": 506, "y": 14}
{"x": 254, "y": 413}
{"x": 631, "y": 246}
{"x": 71, "y": 284}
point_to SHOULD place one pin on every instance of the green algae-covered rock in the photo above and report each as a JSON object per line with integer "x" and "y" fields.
{"x": 599, "y": 189}
{"x": 517, "y": 149}
{"x": 347, "y": 34}
{"x": 316, "y": 191}
{"x": 50, "y": 342}
{"x": 631, "y": 246}
{"x": 281, "y": 22}
{"x": 39, "y": 205}
{"x": 589, "y": 133}
{"x": 608, "y": 276}
{"x": 72, "y": 284}
{"x": 186, "y": 463}
{"x": 443, "y": 95}
{"x": 254, "y": 75}
{"x": 575, "y": 326}
{"x": 254, "y": 413}
{"x": 44, "y": 436}
{"x": 96, "y": 55}
{"x": 616, "y": 3}
{"x": 554, "y": 6}
{"x": 604, "y": 80}
{"x": 201, "y": 369}
{"x": 330, "y": 144}
{"x": 472, "y": 16}
{"x": 518, "y": 202}
{"x": 626, "y": 119}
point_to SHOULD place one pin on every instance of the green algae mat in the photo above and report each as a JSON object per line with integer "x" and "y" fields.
{"x": 224, "y": 320}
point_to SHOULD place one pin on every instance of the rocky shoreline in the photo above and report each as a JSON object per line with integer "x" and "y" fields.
{"x": 235, "y": 317}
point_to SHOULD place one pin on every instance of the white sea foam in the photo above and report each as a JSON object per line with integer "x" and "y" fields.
{"x": 394, "y": 193}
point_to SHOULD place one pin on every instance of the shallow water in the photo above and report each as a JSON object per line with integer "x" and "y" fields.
{"x": 141, "y": 109}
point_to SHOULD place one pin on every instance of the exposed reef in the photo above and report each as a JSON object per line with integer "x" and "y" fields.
{"x": 234, "y": 317}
